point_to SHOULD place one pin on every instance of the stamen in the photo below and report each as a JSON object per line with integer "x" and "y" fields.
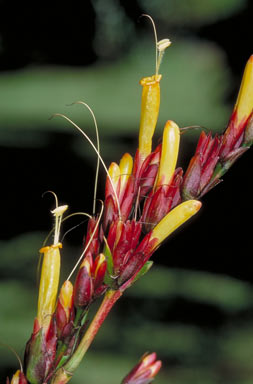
{"x": 160, "y": 46}
{"x": 15, "y": 353}
{"x": 89, "y": 242}
{"x": 95, "y": 149}
{"x": 155, "y": 36}
{"x": 98, "y": 149}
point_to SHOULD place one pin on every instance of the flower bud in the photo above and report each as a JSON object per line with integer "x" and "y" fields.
{"x": 170, "y": 147}
{"x": 99, "y": 270}
{"x": 83, "y": 288}
{"x": 18, "y": 378}
{"x": 64, "y": 307}
{"x": 145, "y": 371}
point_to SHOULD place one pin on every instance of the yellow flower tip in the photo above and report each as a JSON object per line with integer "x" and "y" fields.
{"x": 244, "y": 102}
{"x": 86, "y": 264}
{"x": 46, "y": 249}
{"x": 114, "y": 173}
{"x": 59, "y": 211}
{"x": 15, "y": 377}
{"x": 174, "y": 219}
{"x": 163, "y": 44}
{"x": 150, "y": 80}
{"x": 169, "y": 155}
{"x": 125, "y": 166}
{"x": 66, "y": 294}
{"x": 100, "y": 260}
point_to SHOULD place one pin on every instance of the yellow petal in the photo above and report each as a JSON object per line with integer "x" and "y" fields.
{"x": 66, "y": 294}
{"x": 170, "y": 147}
{"x": 150, "y": 104}
{"x": 114, "y": 172}
{"x": 126, "y": 166}
{"x": 244, "y": 102}
{"x": 15, "y": 377}
{"x": 175, "y": 219}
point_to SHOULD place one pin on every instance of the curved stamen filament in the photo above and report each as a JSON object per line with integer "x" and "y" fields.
{"x": 98, "y": 149}
{"x": 88, "y": 244}
{"x": 98, "y": 154}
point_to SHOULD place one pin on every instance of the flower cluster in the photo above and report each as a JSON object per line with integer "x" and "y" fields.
{"x": 147, "y": 197}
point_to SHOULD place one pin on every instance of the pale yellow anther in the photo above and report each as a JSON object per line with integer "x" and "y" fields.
{"x": 150, "y": 104}
{"x": 244, "y": 102}
{"x": 169, "y": 155}
{"x": 126, "y": 166}
{"x": 59, "y": 211}
{"x": 163, "y": 44}
{"x": 175, "y": 219}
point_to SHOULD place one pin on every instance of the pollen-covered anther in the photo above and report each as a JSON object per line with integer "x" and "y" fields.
{"x": 163, "y": 44}
{"x": 59, "y": 211}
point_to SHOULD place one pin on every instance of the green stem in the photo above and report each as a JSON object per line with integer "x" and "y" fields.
{"x": 64, "y": 374}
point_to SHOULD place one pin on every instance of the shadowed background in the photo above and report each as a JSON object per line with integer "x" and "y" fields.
{"x": 195, "y": 307}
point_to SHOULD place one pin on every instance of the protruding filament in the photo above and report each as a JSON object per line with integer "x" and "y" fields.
{"x": 170, "y": 147}
{"x": 58, "y": 213}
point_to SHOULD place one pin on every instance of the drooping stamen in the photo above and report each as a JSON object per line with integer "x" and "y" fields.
{"x": 160, "y": 46}
{"x": 89, "y": 242}
{"x": 98, "y": 154}
{"x": 58, "y": 212}
{"x": 98, "y": 149}
{"x": 15, "y": 353}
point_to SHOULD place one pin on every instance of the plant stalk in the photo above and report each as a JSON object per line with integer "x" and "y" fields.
{"x": 64, "y": 374}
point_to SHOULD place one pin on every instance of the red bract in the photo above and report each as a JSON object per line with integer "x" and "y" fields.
{"x": 83, "y": 287}
{"x": 145, "y": 371}
{"x": 201, "y": 167}
{"x": 159, "y": 202}
{"x": 40, "y": 352}
{"x": 122, "y": 240}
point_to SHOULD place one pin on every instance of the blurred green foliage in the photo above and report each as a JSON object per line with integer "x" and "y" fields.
{"x": 192, "y": 12}
{"x": 192, "y": 89}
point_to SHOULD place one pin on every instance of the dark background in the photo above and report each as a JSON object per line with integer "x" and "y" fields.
{"x": 195, "y": 318}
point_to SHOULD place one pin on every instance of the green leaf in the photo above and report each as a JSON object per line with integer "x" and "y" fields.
{"x": 108, "y": 279}
{"x": 146, "y": 267}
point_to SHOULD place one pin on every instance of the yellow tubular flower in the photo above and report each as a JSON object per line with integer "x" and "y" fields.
{"x": 175, "y": 219}
{"x": 244, "y": 102}
{"x": 170, "y": 147}
{"x": 125, "y": 166}
{"x": 49, "y": 282}
{"x": 150, "y": 104}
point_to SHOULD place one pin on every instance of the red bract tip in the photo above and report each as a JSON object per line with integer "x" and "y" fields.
{"x": 145, "y": 371}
